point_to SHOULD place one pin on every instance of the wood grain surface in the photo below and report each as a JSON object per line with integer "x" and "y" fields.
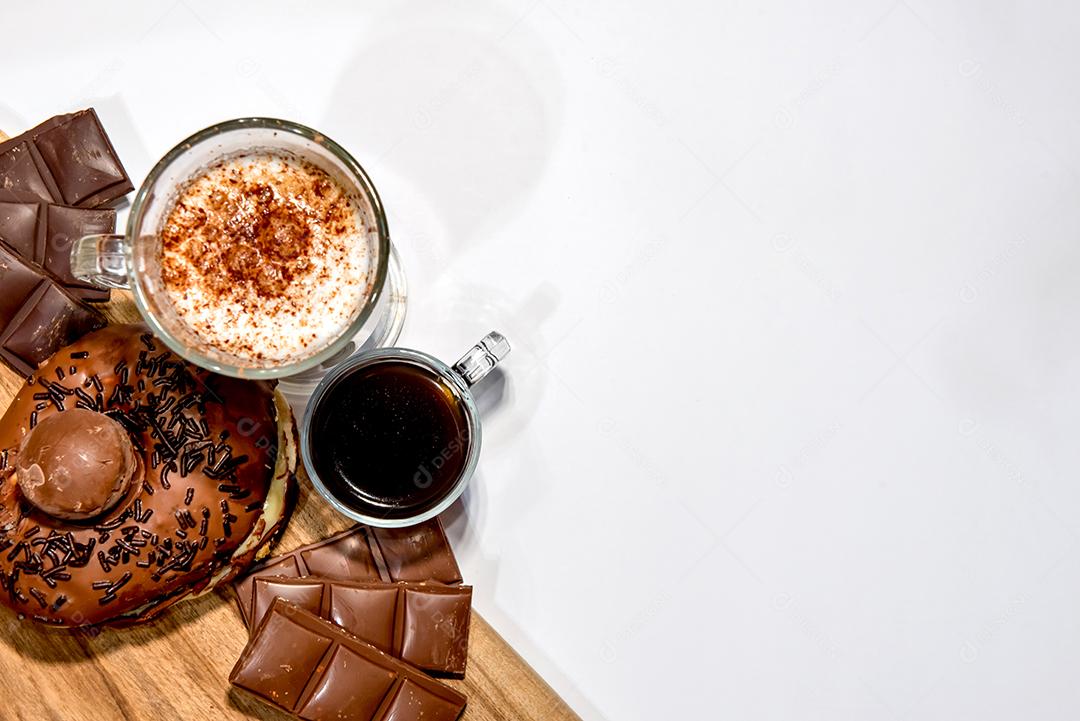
{"x": 178, "y": 666}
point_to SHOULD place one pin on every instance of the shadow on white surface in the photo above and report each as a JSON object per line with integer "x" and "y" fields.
{"x": 11, "y": 122}
{"x": 436, "y": 99}
{"x": 462, "y": 521}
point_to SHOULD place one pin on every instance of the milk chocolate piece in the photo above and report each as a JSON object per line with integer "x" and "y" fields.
{"x": 417, "y": 553}
{"x": 42, "y": 235}
{"x": 424, "y": 624}
{"x": 363, "y": 553}
{"x": 49, "y": 319}
{"x": 76, "y": 465}
{"x": 67, "y": 159}
{"x": 307, "y": 666}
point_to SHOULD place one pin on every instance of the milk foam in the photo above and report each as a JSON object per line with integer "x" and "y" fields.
{"x": 267, "y": 257}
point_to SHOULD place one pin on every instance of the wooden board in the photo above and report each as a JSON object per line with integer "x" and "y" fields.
{"x": 178, "y": 666}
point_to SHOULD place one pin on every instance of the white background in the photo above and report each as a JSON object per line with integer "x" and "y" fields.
{"x": 789, "y": 426}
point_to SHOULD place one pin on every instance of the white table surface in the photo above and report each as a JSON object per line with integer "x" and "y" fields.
{"x": 787, "y": 431}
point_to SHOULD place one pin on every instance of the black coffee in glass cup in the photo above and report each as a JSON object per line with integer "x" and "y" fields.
{"x": 391, "y": 436}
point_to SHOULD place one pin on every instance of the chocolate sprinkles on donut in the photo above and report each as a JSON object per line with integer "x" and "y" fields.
{"x": 131, "y": 479}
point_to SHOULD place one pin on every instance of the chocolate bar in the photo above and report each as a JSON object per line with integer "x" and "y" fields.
{"x": 424, "y": 624}
{"x": 42, "y": 234}
{"x": 67, "y": 159}
{"x": 363, "y": 553}
{"x": 309, "y": 667}
{"x": 46, "y": 320}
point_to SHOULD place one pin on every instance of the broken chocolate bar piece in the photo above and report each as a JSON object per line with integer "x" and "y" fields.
{"x": 422, "y": 623}
{"x": 42, "y": 235}
{"x": 67, "y": 159}
{"x": 48, "y": 319}
{"x": 316, "y": 670}
{"x": 362, "y": 553}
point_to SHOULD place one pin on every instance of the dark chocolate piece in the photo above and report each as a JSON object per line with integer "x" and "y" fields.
{"x": 23, "y": 176}
{"x": 64, "y": 225}
{"x": 20, "y": 227}
{"x": 67, "y": 159}
{"x": 42, "y": 235}
{"x": 49, "y": 319}
{"x": 424, "y": 624}
{"x": 316, "y": 670}
{"x": 363, "y": 553}
{"x": 17, "y": 282}
{"x": 37, "y": 315}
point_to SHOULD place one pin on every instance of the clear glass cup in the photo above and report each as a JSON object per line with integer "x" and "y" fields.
{"x": 470, "y": 369}
{"x": 132, "y": 260}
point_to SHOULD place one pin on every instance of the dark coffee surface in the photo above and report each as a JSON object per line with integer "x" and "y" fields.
{"x": 389, "y": 439}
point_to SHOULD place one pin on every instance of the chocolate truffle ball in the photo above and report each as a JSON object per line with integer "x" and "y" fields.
{"x": 76, "y": 465}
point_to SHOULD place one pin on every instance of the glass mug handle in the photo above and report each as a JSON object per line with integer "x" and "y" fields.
{"x": 101, "y": 260}
{"x": 482, "y": 357}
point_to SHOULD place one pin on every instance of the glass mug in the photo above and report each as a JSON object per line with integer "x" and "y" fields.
{"x": 391, "y": 436}
{"x": 132, "y": 260}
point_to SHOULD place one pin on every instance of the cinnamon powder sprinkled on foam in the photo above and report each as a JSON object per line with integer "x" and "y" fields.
{"x": 266, "y": 257}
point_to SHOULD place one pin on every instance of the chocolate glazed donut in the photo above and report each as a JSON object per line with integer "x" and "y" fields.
{"x": 131, "y": 479}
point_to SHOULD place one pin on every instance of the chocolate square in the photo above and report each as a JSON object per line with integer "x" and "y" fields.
{"x": 17, "y": 282}
{"x": 351, "y": 688}
{"x": 49, "y": 319}
{"x": 418, "y": 553}
{"x": 415, "y": 703}
{"x": 308, "y": 596}
{"x": 21, "y": 227}
{"x": 366, "y": 612}
{"x": 280, "y": 660}
{"x": 22, "y": 175}
{"x": 436, "y": 629}
{"x": 245, "y": 587}
{"x": 64, "y": 226}
{"x": 82, "y": 159}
